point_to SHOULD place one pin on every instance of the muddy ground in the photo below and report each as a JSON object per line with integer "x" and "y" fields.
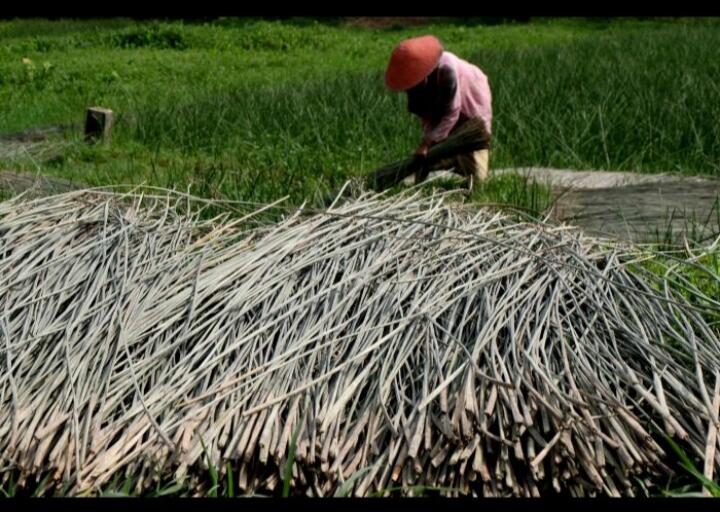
{"x": 633, "y": 206}
{"x": 630, "y": 206}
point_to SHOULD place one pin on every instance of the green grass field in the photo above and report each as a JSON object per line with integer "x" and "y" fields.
{"x": 255, "y": 110}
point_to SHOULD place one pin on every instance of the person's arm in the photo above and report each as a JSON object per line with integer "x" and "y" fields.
{"x": 420, "y": 156}
{"x": 448, "y": 109}
{"x": 442, "y": 129}
{"x": 425, "y": 143}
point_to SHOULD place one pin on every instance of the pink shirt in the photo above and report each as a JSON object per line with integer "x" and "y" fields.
{"x": 472, "y": 100}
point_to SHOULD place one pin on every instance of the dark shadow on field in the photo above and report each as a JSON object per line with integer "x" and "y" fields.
{"x": 370, "y": 22}
{"x": 391, "y": 23}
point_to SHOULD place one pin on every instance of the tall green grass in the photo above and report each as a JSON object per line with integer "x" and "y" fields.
{"x": 258, "y": 110}
{"x": 630, "y": 100}
{"x": 624, "y": 101}
{"x": 636, "y": 100}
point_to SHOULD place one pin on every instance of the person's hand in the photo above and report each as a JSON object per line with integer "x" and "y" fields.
{"x": 418, "y": 161}
{"x": 420, "y": 156}
{"x": 422, "y": 151}
{"x": 418, "y": 164}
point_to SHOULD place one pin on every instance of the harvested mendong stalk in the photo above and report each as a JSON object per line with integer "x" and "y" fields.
{"x": 402, "y": 340}
{"x": 470, "y": 137}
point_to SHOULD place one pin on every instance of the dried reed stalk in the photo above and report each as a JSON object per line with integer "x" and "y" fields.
{"x": 404, "y": 341}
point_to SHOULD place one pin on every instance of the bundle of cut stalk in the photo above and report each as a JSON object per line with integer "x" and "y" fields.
{"x": 401, "y": 341}
{"x": 470, "y": 137}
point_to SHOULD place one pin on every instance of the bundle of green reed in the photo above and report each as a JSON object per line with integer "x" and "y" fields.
{"x": 470, "y": 137}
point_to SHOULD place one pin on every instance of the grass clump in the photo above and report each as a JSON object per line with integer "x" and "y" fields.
{"x": 151, "y": 36}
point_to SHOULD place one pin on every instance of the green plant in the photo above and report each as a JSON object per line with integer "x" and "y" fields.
{"x": 287, "y": 470}
{"x": 153, "y": 36}
{"x": 213, "y": 491}
{"x": 712, "y": 487}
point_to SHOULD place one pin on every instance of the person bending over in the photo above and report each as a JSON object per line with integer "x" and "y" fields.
{"x": 445, "y": 92}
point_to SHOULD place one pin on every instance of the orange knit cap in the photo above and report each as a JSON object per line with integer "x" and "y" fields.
{"x": 411, "y": 61}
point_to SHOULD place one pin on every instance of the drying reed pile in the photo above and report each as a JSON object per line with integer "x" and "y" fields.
{"x": 399, "y": 341}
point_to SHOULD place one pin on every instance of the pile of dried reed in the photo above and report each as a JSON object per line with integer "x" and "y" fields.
{"x": 402, "y": 340}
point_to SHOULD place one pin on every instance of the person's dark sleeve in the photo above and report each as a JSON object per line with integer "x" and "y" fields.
{"x": 446, "y": 111}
